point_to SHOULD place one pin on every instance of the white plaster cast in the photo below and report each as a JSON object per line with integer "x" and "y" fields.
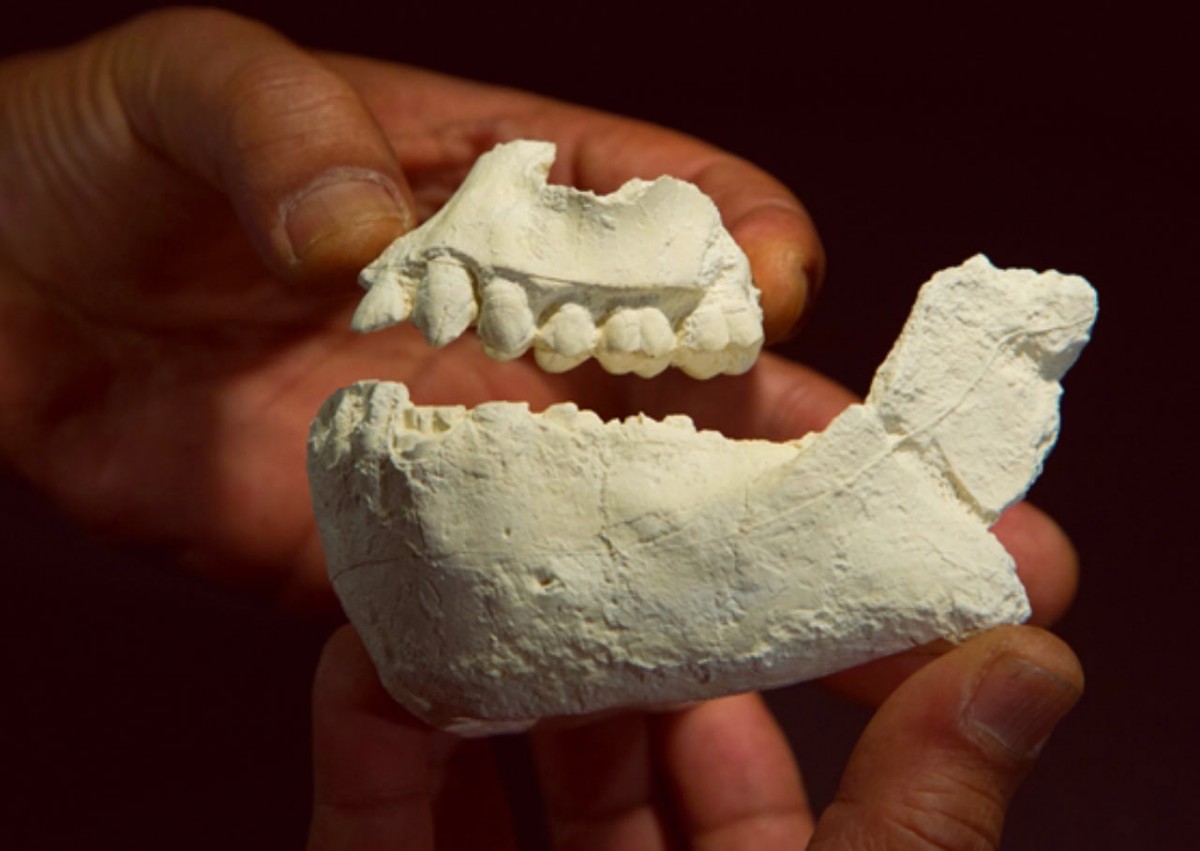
{"x": 503, "y": 566}
{"x": 643, "y": 278}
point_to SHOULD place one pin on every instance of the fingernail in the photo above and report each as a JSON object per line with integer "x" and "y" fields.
{"x": 1018, "y": 704}
{"x": 340, "y": 201}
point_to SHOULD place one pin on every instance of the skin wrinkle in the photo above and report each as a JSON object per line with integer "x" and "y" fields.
{"x": 316, "y": 113}
{"x": 945, "y": 832}
{"x": 35, "y": 138}
{"x": 937, "y": 805}
{"x": 141, "y": 80}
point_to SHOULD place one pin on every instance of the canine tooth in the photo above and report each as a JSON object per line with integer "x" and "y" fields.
{"x": 660, "y": 244}
{"x": 445, "y": 305}
{"x": 505, "y": 321}
{"x": 686, "y": 565}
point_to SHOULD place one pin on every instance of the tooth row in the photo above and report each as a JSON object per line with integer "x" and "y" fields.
{"x": 434, "y": 420}
{"x": 642, "y": 340}
{"x": 382, "y": 406}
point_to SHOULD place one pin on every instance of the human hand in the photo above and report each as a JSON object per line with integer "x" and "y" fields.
{"x": 175, "y": 292}
{"x": 935, "y": 768}
{"x": 186, "y": 202}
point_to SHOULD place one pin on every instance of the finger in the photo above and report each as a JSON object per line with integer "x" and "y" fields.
{"x": 470, "y": 808}
{"x": 598, "y": 786}
{"x": 1047, "y": 563}
{"x": 309, "y": 172}
{"x": 599, "y": 151}
{"x": 732, "y": 777}
{"x": 372, "y": 778}
{"x": 939, "y": 762}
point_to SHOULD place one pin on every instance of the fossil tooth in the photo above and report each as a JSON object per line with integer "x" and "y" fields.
{"x": 636, "y": 340}
{"x": 744, "y": 330}
{"x": 510, "y": 566}
{"x": 657, "y": 245}
{"x": 506, "y": 323}
{"x": 445, "y": 305}
{"x": 565, "y": 339}
{"x": 658, "y": 342}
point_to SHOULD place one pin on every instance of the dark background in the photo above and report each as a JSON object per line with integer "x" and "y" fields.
{"x": 147, "y": 710}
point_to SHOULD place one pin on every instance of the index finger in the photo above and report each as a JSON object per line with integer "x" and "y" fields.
{"x": 440, "y": 125}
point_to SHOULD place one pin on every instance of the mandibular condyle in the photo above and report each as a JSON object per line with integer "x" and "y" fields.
{"x": 504, "y": 566}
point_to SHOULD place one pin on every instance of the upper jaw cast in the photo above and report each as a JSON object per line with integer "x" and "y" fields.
{"x": 642, "y": 279}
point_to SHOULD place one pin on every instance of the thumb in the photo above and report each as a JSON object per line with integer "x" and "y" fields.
{"x": 307, "y": 168}
{"x": 119, "y": 139}
{"x": 938, "y": 763}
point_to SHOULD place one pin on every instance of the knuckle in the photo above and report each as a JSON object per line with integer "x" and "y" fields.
{"x": 280, "y": 100}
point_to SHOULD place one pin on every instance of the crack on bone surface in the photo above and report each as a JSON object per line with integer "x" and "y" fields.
{"x": 686, "y": 565}
{"x": 649, "y": 247}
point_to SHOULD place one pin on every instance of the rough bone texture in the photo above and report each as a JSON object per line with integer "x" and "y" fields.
{"x": 504, "y": 566}
{"x": 641, "y": 279}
